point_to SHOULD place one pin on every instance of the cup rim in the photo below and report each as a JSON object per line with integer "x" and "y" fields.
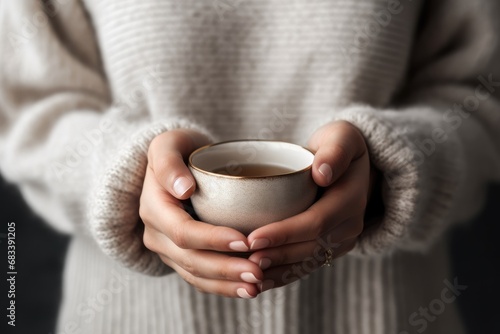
{"x": 190, "y": 162}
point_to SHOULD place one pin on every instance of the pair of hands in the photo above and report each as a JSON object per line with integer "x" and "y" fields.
{"x": 282, "y": 252}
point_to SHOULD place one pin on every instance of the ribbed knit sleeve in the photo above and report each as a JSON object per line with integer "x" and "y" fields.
{"x": 77, "y": 154}
{"x": 438, "y": 146}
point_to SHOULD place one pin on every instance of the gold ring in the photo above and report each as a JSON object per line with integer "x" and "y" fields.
{"x": 328, "y": 258}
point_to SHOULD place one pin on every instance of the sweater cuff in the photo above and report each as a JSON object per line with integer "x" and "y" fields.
{"x": 417, "y": 189}
{"x": 114, "y": 201}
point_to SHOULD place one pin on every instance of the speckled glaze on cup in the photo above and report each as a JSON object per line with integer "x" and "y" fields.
{"x": 249, "y": 202}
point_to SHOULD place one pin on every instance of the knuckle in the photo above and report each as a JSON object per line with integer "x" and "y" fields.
{"x": 152, "y": 148}
{"x": 143, "y": 211}
{"x": 171, "y": 158}
{"x": 317, "y": 222}
{"x": 282, "y": 239}
{"x": 362, "y": 201}
{"x": 283, "y": 258}
{"x": 190, "y": 279}
{"x": 200, "y": 289}
{"x": 212, "y": 236}
{"x": 156, "y": 143}
{"x": 148, "y": 241}
{"x": 223, "y": 290}
{"x": 158, "y": 139}
{"x": 223, "y": 272}
{"x": 166, "y": 162}
{"x": 342, "y": 157}
{"x": 167, "y": 261}
{"x": 187, "y": 265}
{"x": 179, "y": 237}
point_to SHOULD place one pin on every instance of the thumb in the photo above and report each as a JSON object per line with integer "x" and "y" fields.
{"x": 166, "y": 156}
{"x": 330, "y": 162}
{"x": 336, "y": 145}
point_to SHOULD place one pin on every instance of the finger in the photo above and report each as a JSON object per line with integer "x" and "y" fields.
{"x": 292, "y": 253}
{"x": 336, "y": 145}
{"x": 340, "y": 202}
{"x": 305, "y": 226}
{"x": 279, "y": 276}
{"x": 287, "y": 254}
{"x": 206, "y": 264}
{"x": 218, "y": 287}
{"x": 324, "y": 215}
{"x": 164, "y": 213}
{"x": 166, "y": 155}
{"x": 188, "y": 233}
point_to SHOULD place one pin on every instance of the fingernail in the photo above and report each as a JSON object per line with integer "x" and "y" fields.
{"x": 326, "y": 171}
{"x": 266, "y": 285}
{"x": 181, "y": 185}
{"x": 238, "y": 246}
{"x": 259, "y": 244}
{"x": 243, "y": 293}
{"x": 249, "y": 278}
{"x": 264, "y": 263}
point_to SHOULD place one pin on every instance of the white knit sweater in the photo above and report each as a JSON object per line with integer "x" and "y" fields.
{"x": 86, "y": 85}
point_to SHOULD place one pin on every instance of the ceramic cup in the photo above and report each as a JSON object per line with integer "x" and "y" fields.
{"x": 248, "y": 184}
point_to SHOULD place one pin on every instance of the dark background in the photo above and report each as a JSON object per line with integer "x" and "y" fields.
{"x": 40, "y": 253}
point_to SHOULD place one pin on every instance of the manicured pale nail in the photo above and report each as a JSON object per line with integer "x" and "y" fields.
{"x": 326, "y": 171}
{"x": 259, "y": 244}
{"x": 249, "y": 278}
{"x": 243, "y": 293}
{"x": 181, "y": 185}
{"x": 264, "y": 263}
{"x": 266, "y": 285}
{"x": 238, "y": 246}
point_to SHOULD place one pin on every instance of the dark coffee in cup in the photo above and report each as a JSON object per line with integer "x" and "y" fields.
{"x": 253, "y": 170}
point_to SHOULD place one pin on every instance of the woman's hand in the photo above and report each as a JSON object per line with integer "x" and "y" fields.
{"x": 294, "y": 247}
{"x": 190, "y": 247}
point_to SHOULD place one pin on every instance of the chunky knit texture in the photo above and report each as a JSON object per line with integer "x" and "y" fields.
{"x": 86, "y": 85}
